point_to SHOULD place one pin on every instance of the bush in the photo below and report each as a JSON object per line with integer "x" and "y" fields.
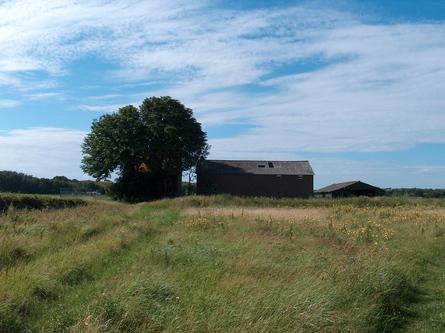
{"x": 36, "y": 202}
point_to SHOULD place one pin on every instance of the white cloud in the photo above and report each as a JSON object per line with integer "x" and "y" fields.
{"x": 380, "y": 87}
{"x": 43, "y": 152}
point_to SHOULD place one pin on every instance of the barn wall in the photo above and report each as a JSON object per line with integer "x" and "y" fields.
{"x": 256, "y": 185}
{"x": 359, "y": 189}
{"x": 358, "y": 193}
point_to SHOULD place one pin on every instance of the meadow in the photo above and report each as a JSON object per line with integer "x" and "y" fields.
{"x": 225, "y": 264}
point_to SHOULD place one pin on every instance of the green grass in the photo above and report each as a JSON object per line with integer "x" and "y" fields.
{"x": 224, "y": 264}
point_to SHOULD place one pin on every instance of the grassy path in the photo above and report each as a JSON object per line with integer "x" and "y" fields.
{"x": 74, "y": 303}
{"x": 89, "y": 296}
{"x": 429, "y": 312}
{"x": 67, "y": 251}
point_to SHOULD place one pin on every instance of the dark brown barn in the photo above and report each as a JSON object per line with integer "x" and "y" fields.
{"x": 255, "y": 178}
{"x": 350, "y": 189}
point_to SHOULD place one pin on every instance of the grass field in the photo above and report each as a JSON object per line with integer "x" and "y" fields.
{"x": 222, "y": 264}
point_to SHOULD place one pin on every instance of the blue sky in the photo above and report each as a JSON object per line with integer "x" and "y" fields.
{"x": 356, "y": 87}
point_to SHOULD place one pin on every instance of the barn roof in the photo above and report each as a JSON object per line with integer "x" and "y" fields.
{"x": 256, "y": 167}
{"x": 336, "y": 186}
{"x": 344, "y": 185}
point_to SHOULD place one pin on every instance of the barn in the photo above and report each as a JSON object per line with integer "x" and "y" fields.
{"x": 255, "y": 178}
{"x": 349, "y": 189}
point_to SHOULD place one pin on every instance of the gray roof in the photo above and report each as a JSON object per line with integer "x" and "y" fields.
{"x": 256, "y": 167}
{"x": 336, "y": 186}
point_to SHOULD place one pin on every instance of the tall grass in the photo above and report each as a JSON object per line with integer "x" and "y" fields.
{"x": 223, "y": 264}
{"x": 226, "y": 200}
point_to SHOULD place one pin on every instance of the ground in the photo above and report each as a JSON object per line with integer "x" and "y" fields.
{"x": 223, "y": 264}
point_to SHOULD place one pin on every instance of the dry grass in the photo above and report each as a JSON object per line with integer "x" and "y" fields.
{"x": 284, "y": 214}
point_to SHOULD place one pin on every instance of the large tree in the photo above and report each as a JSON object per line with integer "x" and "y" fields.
{"x": 144, "y": 146}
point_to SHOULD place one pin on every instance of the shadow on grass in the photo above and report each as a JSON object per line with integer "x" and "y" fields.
{"x": 393, "y": 310}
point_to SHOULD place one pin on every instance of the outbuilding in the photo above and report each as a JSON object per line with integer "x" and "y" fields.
{"x": 349, "y": 189}
{"x": 255, "y": 178}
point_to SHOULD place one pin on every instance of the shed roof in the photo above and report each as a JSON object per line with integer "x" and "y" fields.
{"x": 256, "y": 167}
{"x": 344, "y": 185}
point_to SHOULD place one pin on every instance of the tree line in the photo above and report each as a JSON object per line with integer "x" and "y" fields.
{"x": 416, "y": 192}
{"x": 16, "y": 182}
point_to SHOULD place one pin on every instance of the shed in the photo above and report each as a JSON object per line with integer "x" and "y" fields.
{"x": 255, "y": 178}
{"x": 350, "y": 189}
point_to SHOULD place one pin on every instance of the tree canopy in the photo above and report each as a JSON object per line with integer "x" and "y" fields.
{"x": 144, "y": 146}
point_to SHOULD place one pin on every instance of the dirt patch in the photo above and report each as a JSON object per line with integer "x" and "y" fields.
{"x": 283, "y": 214}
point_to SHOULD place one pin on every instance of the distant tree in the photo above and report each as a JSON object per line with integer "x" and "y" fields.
{"x": 191, "y": 181}
{"x": 144, "y": 146}
{"x": 416, "y": 192}
{"x": 60, "y": 179}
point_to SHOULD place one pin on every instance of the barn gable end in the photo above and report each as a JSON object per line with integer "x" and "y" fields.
{"x": 348, "y": 189}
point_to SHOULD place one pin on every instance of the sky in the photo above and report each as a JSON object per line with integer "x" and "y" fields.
{"x": 355, "y": 87}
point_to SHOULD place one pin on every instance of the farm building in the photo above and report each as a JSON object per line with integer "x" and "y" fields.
{"x": 255, "y": 178}
{"x": 350, "y": 189}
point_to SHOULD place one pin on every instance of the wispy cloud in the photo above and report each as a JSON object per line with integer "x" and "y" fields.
{"x": 376, "y": 99}
{"x": 103, "y": 108}
{"x": 45, "y": 96}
